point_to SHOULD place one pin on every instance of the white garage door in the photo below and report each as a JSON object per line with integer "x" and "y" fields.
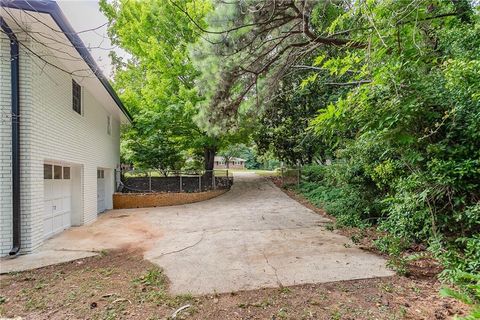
{"x": 57, "y": 198}
{"x": 100, "y": 190}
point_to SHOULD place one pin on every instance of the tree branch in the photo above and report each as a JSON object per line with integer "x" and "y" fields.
{"x": 353, "y": 83}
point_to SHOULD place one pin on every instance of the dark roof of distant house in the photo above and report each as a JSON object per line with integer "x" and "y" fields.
{"x": 52, "y": 8}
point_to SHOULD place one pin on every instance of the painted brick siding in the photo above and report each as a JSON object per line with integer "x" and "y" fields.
{"x": 52, "y": 131}
{"x": 5, "y": 147}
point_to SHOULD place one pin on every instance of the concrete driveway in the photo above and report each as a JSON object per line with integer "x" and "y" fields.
{"x": 253, "y": 236}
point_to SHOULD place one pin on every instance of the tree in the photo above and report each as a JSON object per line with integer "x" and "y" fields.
{"x": 284, "y": 125}
{"x": 250, "y": 46}
{"x": 406, "y": 143}
{"x": 155, "y": 152}
{"x": 148, "y": 147}
{"x": 158, "y": 82}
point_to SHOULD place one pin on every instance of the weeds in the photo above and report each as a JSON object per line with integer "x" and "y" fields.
{"x": 153, "y": 288}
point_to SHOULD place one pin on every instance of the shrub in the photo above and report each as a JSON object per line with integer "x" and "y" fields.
{"x": 470, "y": 294}
{"x": 326, "y": 186}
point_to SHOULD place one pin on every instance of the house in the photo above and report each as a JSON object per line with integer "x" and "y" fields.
{"x": 59, "y": 128}
{"x": 233, "y": 163}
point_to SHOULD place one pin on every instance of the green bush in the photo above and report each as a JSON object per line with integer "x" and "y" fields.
{"x": 328, "y": 187}
{"x": 313, "y": 173}
{"x": 469, "y": 294}
{"x": 407, "y": 146}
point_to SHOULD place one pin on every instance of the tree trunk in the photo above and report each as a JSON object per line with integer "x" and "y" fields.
{"x": 209, "y": 157}
{"x": 209, "y": 153}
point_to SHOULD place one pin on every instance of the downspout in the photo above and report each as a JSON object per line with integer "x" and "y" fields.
{"x": 15, "y": 114}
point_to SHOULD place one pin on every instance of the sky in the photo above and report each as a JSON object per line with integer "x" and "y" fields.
{"x": 84, "y": 15}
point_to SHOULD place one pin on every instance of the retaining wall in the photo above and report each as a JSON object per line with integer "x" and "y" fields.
{"x": 146, "y": 200}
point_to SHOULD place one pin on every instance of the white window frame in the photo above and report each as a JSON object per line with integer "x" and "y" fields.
{"x": 82, "y": 99}
{"x": 109, "y": 125}
{"x": 52, "y": 172}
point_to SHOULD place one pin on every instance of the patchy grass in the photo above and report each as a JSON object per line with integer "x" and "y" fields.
{"x": 266, "y": 173}
{"x": 121, "y": 285}
{"x": 113, "y": 285}
{"x": 263, "y": 173}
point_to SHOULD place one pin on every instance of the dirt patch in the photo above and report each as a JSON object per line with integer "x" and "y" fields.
{"x": 117, "y": 284}
{"x": 113, "y": 230}
{"x": 121, "y": 285}
{"x": 386, "y": 298}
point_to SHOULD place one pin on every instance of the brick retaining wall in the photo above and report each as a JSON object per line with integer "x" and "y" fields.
{"x": 146, "y": 200}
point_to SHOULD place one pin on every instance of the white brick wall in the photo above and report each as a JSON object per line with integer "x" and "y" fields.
{"x": 5, "y": 147}
{"x": 51, "y": 131}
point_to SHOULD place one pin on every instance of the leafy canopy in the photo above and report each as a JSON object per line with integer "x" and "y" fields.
{"x": 158, "y": 82}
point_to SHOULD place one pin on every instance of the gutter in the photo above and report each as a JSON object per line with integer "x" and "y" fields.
{"x": 15, "y": 114}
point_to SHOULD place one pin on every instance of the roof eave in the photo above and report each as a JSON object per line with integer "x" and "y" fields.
{"x": 52, "y": 8}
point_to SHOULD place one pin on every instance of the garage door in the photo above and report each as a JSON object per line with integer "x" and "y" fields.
{"x": 100, "y": 190}
{"x": 57, "y": 198}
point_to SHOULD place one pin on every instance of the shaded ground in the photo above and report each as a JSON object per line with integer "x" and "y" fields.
{"x": 121, "y": 285}
{"x": 423, "y": 266}
{"x": 252, "y": 237}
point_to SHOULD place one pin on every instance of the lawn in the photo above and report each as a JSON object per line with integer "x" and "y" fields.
{"x": 263, "y": 173}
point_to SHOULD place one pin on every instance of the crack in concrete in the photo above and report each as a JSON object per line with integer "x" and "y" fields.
{"x": 320, "y": 224}
{"x": 273, "y": 268}
{"x": 182, "y": 249}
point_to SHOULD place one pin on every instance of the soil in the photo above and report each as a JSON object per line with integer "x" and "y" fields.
{"x": 121, "y": 285}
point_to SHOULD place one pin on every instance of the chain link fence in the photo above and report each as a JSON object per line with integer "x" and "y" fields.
{"x": 147, "y": 181}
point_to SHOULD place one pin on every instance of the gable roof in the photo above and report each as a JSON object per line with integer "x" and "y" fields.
{"x": 51, "y": 8}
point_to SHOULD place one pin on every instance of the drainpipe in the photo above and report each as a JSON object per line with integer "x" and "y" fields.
{"x": 15, "y": 113}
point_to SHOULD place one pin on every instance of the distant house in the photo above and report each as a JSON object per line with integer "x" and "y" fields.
{"x": 59, "y": 126}
{"x": 126, "y": 167}
{"x": 233, "y": 163}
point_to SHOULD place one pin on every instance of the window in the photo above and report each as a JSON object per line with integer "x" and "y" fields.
{"x": 100, "y": 174}
{"x": 47, "y": 171}
{"x": 76, "y": 97}
{"x": 109, "y": 125}
{"x": 66, "y": 173}
{"x": 57, "y": 172}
